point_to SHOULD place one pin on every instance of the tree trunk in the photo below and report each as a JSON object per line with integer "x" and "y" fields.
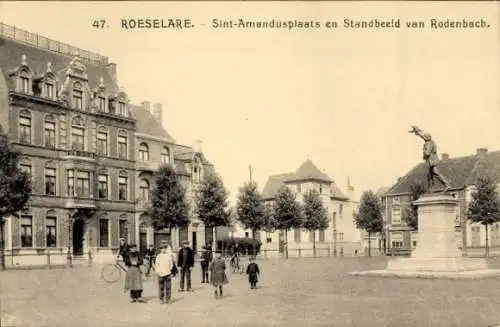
{"x": 286, "y": 243}
{"x": 369, "y": 244}
{"x": 253, "y": 243}
{"x": 214, "y": 239}
{"x": 314, "y": 243}
{"x": 2, "y": 244}
{"x": 487, "y": 248}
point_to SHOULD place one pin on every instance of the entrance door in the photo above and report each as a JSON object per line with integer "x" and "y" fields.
{"x": 78, "y": 230}
{"x": 194, "y": 242}
{"x": 143, "y": 237}
{"x": 475, "y": 236}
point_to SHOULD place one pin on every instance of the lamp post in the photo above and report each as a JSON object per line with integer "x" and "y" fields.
{"x": 71, "y": 219}
{"x": 335, "y": 242}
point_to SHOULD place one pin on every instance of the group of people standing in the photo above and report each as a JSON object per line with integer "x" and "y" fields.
{"x": 166, "y": 266}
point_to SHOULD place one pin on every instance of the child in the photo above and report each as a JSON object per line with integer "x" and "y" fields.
{"x": 150, "y": 257}
{"x": 253, "y": 273}
{"x": 218, "y": 275}
{"x": 165, "y": 268}
{"x": 133, "y": 280}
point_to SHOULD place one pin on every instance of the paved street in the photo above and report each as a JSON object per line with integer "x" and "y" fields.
{"x": 295, "y": 292}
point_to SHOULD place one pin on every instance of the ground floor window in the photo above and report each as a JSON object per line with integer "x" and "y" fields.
{"x": 51, "y": 229}
{"x": 104, "y": 233}
{"x": 322, "y": 235}
{"x": 26, "y": 231}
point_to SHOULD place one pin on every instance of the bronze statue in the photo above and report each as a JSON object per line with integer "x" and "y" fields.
{"x": 431, "y": 158}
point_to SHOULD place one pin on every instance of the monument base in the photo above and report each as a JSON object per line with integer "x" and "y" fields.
{"x": 437, "y": 254}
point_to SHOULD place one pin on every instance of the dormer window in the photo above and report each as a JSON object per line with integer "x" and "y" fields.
{"x": 25, "y": 82}
{"x": 122, "y": 109}
{"x": 49, "y": 89}
{"x": 77, "y": 96}
{"x": 102, "y": 104}
{"x": 165, "y": 156}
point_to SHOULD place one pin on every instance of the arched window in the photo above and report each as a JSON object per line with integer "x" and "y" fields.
{"x": 197, "y": 170}
{"x": 77, "y": 96}
{"x": 49, "y": 133}
{"x": 24, "y": 82}
{"x": 165, "y": 156}
{"x": 49, "y": 87}
{"x": 51, "y": 229}
{"x": 144, "y": 189}
{"x": 143, "y": 152}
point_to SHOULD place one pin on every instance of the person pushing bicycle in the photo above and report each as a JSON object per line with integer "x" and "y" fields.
{"x": 150, "y": 258}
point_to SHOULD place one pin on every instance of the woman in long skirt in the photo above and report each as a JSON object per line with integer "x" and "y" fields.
{"x": 218, "y": 275}
{"x": 133, "y": 279}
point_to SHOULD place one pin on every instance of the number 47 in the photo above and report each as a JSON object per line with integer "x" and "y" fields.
{"x": 99, "y": 23}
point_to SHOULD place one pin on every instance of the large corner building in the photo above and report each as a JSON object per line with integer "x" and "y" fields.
{"x": 86, "y": 147}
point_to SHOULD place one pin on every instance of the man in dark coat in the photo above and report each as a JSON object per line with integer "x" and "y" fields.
{"x": 185, "y": 261}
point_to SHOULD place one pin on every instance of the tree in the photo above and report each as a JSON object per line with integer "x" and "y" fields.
{"x": 484, "y": 207}
{"x": 15, "y": 188}
{"x": 250, "y": 208}
{"x": 270, "y": 224}
{"x": 369, "y": 216}
{"x": 168, "y": 208}
{"x": 287, "y": 212}
{"x": 410, "y": 212}
{"x": 315, "y": 214}
{"x": 212, "y": 206}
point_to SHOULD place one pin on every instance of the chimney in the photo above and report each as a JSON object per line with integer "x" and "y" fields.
{"x": 158, "y": 113}
{"x": 111, "y": 68}
{"x": 197, "y": 146}
{"x": 480, "y": 151}
{"x": 350, "y": 189}
{"x": 146, "y": 105}
{"x": 445, "y": 156}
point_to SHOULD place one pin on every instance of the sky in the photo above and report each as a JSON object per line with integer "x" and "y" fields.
{"x": 273, "y": 98}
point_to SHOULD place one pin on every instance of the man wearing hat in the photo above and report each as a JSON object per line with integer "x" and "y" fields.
{"x": 185, "y": 261}
{"x": 165, "y": 268}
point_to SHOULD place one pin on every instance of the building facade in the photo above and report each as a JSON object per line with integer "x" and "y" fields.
{"x": 462, "y": 173}
{"x": 91, "y": 153}
{"x": 341, "y": 236}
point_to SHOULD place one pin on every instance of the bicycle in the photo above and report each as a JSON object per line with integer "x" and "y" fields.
{"x": 111, "y": 273}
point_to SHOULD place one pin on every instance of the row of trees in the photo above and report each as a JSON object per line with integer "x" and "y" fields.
{"x": 484, "y": 208}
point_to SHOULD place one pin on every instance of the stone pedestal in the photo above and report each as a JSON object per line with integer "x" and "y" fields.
{"x": 437, "y": 254}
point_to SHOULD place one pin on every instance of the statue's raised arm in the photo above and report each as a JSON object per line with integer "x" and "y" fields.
{"x": 417, "y": 131}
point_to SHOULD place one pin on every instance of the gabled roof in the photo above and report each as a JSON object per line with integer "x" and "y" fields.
{"x": 460, "y": 172}
{"x": 147, "y": 124}
{"x": 308, "y": 171}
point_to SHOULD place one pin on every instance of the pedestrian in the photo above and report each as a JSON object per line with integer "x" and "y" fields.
{"x": 166, "y": 269}
{"x": 150, "y": 257}
{"x": 218, "y": 275}
{"x": 185, "y": 262}
{"x": 206, "y": 258}
{"x": 133, "y": 279}
{"x": 253, "y": 272}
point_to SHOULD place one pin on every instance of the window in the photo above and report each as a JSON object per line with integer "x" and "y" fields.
{"x": 396, "y": 215}
{"x": 122, "y": 109}
{"x": 269, "y": 239}
{"x": 341, "y": 208}
{"x": 341, "y": 236}
{"x": 414, "y": 243}
{"x": 51, "y": 230}
{"x": 102, "y": 143}
{"x": 320, "y": 189}
{"x": 50, "y": 181}
{"x": 397, "y": 240}
{"x": 83, "y": 184}
{"x": 299, "y": 188}
{"x": 102, "y": 187}
{"x": 334, "y": 219}
{"x": 122, "y": 146}
{"x": 26, "y": 167}
{"x": 77, "y": 96}
{"x": 396, "y": 199}
{"x": 123, "y": 226}
{"x": 144, "y": 189}
{"x": 77, "y": 137}
{"x": 49, "y": 89}
{"x": 25, "y": 83}
{"x": 143, "y": 152}
{"x": 311, "y": 236}
{"x": 25, "y": 130}
{"x": 122, "y": 188}
{"x": 296, "y": 235}
{"x": 195, "y": 174}
{"x": 102, "y": 104}
{"x": 165, "y": 156}
{"x": 322, "y": 235}
{"x": 247, "y": 234}
{"x": 50, "y": 134}
{"x": 26, "y": 231}
{"x": 71, "y": 182}
{"x": 103, "y": 233}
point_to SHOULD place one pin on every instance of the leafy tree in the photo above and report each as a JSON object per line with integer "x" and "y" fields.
{"x": 315, "y": 214}
{"x": 15, "y": 188}
{"x": 484, "y": 207}
{"x": 369, "y": 216}
{"x": 212, "y": 205}
{"x": 270, "y": 224}
{"x": 168, "y": 208}
{"x": 250, "y": 208}
{"x": 287, "y": 212}
{"x": 410, "y": 212}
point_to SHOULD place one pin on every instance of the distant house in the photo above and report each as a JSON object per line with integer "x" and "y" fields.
{"x": 341, "y": 235}
{"x": 462, "y": 173}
